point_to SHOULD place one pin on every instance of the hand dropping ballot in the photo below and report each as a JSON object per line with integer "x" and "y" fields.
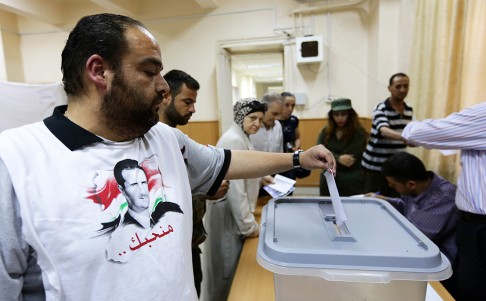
{"x": 281, "y": 186}
{"x": 337, "y": 205}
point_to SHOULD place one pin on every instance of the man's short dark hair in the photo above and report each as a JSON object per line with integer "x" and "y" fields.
{"x": 404, "y": 167}
{"x": 102, "y": 34}
{"x": 397, "y": 75}
{"x": 175, "y": 79}
{"x": 122, "y": 165}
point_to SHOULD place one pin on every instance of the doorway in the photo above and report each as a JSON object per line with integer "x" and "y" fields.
{"x": 247, "y": 69}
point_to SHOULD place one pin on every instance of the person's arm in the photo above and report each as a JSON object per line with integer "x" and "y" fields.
{"x": 383, "y": 124}
{"x": 398, "y": 203}
{"x": 245, "y": 164}
{"x": 20, "y": 276}
{"x": 297, "y": 144}
{"x": 461, "y": 130}
{"x": 253, "y": 164}
{"x": 206, "y": 165}
{"x": 320, "y": 140}
{"x": 353, "y": 152}
{"x": 221, "y": 192}
{"x": 388, "y": 133}
{"x": 435, "y": 218}
{"x": 344, "y": 157}
{"x": 321, "y": 136}
{"x": 279, "y": 147}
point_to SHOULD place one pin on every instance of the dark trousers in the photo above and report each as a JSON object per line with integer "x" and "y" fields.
{"x": 471, "y": 256}
{"x": 196, "y": 268}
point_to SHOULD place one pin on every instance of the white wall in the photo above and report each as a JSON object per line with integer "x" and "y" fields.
{"x": 366, "y": 46}
{"x": 41, "y": 47}
{"x": 11, "y": 68}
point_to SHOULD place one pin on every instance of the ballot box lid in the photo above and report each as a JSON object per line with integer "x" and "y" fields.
{"x": 376, "y": 243}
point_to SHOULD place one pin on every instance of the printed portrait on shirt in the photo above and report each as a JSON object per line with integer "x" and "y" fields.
{"x": 134, "y": 205}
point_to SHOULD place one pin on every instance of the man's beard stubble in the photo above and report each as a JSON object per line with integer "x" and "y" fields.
{"x": 173, "y": 116}
{"x": 126, "y": 111}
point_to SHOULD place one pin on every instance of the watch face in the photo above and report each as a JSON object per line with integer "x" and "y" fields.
{"x": 296, "y": 158}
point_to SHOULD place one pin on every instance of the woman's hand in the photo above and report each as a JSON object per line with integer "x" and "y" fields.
{"x": 347, "y": 160}
{"x": 266, "y": 180}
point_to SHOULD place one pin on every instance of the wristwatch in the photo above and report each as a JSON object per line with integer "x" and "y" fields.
{"x": 296, "y": 158}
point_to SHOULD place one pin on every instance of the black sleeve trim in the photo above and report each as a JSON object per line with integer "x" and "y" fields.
{"x": 222, "y": 172}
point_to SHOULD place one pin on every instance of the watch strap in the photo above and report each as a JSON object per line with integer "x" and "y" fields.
{"x": 296, "y": 158}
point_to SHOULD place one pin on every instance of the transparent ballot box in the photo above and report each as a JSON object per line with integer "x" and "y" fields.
{"x": 376, "y": 254}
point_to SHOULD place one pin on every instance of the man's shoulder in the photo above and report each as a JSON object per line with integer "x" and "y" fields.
{"x": 441, "y": 184}
{"x": 383, "y": 104}
{"x": 14, "y": 132}
{"x": 407, "y": 107}
{"x": 442, "y": 180}
{"x": 260, "y": 133}
{"x": 291, "y": 121}
{"x": 233, "y": 139}
{"x": 162, "y": 127}
{"x": 167, "y": 133}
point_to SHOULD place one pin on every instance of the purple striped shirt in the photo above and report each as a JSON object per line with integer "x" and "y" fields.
{"x": 433, "y": 213}
{"x": 465, "y": 131}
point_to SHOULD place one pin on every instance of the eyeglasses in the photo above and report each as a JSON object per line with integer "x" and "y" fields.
{"x": 257, "y": 105}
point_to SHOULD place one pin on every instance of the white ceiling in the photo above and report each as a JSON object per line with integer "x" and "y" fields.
{"x": 263, "y": 67}
{"x": 264, "y": 63}
{"x": 53, "y": 11}
{"x": 261, "y": 61}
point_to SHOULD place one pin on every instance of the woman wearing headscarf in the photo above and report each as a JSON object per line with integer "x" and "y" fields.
{"x": 230, "y": 220}
{"x": 346, "y": 138}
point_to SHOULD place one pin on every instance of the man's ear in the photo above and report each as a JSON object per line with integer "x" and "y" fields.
{"x": 167, "y": 99}
{"x": 411, "y": 184}
{"x": 96, "y": 69}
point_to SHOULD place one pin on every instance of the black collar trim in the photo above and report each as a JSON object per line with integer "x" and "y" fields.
{"x": 70, "y": 134}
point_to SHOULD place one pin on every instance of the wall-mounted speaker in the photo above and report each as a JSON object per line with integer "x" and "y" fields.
{"x": 309, "y": 49}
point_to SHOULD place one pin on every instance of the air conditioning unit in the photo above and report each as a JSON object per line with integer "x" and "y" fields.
{"x": 309, "y": 49}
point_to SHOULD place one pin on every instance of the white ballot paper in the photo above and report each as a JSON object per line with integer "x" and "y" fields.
{"x": 281, "y": 186}
{"x": 337, "y": 205}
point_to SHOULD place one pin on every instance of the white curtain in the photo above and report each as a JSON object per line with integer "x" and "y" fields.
{"x": 26, "y": 103}
{"x": 447, "y": 71}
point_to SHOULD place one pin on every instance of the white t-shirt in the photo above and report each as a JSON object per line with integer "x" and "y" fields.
{"x": 75, "y": 217}
{"x": 270, "y": 140}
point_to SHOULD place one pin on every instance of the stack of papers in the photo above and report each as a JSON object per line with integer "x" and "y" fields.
{"x": 281, "y": 186}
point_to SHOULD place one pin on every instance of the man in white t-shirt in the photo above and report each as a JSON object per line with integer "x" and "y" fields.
{"x": 59, "y": 188}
